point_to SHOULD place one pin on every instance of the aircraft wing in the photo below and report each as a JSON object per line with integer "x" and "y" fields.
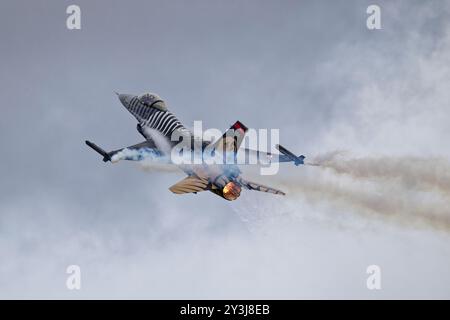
{"x": 264, "y": 156}
{"x": 135, "y": 152}
{"x": 259, "y": 187}
{"x": 190, "y": 184}
{"x": 284, "y": 156}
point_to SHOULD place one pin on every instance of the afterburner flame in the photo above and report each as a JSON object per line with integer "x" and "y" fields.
{"x": 231, "y": 191}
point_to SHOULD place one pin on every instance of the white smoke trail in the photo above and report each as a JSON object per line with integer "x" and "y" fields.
{"x": 161, "y": 142}
{"x": 154, "y": 166}
{"x": 161, "y": 163}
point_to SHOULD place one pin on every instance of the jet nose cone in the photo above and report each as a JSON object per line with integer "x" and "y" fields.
{"x": 125, "y": 99}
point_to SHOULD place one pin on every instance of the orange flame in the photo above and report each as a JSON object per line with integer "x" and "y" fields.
{"x": 231, "y": 191}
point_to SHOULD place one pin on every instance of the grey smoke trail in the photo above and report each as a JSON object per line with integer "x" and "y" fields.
{"x": 368, "y": 191}
{"x": 379, "y": 199}
{"x": 412, "y": 172}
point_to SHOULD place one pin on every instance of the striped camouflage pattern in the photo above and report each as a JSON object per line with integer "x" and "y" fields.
{"x": 155, "y": 116}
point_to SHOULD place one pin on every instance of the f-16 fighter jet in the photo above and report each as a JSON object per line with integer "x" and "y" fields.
{"x": 223, "y": 179}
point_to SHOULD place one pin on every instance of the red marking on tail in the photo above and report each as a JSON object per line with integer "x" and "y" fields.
{"x": 239, "y": 125}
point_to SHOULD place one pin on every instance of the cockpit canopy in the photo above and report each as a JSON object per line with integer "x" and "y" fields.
{"x": 151, "y": 99}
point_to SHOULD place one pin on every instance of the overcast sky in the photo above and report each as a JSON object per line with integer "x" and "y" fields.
{"x": 309, "y": 68}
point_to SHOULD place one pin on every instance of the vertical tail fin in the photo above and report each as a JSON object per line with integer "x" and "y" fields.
{"x": 231, "y": 139}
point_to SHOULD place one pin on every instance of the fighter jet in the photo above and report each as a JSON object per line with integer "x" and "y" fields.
{"x": 223, "y": 179}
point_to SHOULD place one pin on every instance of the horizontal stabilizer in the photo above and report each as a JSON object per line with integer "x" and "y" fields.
{"x": 297, "y": 160}
{"x": 191, "y": 184}
{"x": 259, "y": 187}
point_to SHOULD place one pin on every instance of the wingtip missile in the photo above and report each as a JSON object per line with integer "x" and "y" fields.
{"x": 106, "y": 156}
